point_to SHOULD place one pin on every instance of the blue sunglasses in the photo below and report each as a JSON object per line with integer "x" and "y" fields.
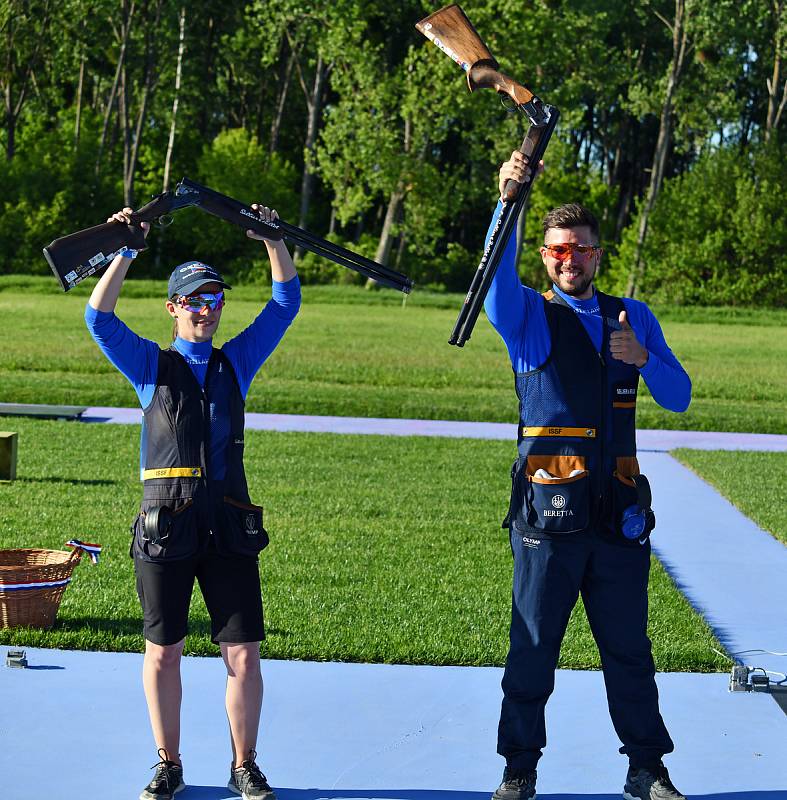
{"x": 196, "y": 302}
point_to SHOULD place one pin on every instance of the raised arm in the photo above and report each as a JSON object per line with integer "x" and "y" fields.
{"x": 282, "y": 266}
{"x": 509, "y": 304}
{"x": 251, "y": 347}
{"x": 668, "y": 382}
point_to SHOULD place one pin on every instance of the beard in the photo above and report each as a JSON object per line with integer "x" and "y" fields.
{"x": 578, "y": 288}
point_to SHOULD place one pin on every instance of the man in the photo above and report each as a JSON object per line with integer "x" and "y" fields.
{"x": 579, "y": 516}
{"x": 196, "y": 521}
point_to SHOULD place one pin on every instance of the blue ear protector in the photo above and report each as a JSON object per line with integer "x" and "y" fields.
{"x": 634, "y": 522}
{"x": 639, "y": 520}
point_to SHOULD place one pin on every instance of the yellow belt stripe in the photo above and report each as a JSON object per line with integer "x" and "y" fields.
{"x": 628, "y": 404}
{"x": 172, "y": 472}
{"x": 585, "y": 433}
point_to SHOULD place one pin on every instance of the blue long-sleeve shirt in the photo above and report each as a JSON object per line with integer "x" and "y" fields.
{"x": 517, "y": 314}
{"x": 137, "y": 358}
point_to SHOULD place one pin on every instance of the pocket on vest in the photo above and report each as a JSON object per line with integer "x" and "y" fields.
{"x": 625, "y": 497}
{"x": 241, "y": 532}
{"x": 165, "y": 532}
{"x": 554, "y": 493}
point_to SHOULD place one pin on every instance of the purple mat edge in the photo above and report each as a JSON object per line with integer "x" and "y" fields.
{"x": 648, "y": 440}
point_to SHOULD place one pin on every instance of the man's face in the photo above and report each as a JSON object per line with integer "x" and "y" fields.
{"x": 196, "y": 327}
{"x": 574, "y": 274}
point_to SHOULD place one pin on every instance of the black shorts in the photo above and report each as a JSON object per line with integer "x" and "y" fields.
{"x": 229, "y": 585}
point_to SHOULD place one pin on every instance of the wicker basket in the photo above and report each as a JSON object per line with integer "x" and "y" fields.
{"x": 34, "y": 607}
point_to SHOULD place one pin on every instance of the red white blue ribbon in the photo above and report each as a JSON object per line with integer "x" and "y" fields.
{"x": 93, "y": 550}
{"x": 10, "y": 587}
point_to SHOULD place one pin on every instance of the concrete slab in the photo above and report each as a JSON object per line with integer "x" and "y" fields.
{"x": 40, "y": 410}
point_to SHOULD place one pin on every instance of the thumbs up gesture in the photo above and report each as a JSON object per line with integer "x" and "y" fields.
{"x": 624, "y": 345}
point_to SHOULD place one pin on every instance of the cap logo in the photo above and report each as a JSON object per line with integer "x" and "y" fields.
{"x": 193, "y": 269}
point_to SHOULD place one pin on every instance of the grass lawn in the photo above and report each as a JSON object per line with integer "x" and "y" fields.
{"x": 382, "y": 549}
{"x": 357, "y": 353}
{"x": 752, "y": 481}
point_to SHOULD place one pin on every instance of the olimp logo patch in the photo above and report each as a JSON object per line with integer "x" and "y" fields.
{"x": 558, "y": 509}
{"x": 251, "y": 525}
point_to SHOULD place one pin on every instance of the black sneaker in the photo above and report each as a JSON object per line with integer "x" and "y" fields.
{"x": 650, "y": 783}
{"x": 248, "y": 781}
{"x": 516, "y": 785}
{"x": 167, "y": 780}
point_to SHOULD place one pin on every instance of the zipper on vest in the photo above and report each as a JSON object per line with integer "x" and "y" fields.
{"x": 205, "y": 444}
{"x": 602, "y": 426}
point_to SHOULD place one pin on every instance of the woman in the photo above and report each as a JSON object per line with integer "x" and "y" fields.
{"x": 196, "y": 518}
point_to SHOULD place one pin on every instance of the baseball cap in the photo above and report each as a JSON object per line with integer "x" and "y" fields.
{"x": 188, "y": 277}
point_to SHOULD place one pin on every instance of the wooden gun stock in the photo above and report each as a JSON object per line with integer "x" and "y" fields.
{"x": 451, "y": 30}
{"x": 79, "y": 255}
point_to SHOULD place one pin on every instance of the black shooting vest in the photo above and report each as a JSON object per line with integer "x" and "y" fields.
{"x": 576, "y": 425}
{"x": 199, "y": 511}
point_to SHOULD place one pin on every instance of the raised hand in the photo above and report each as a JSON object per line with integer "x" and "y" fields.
{"x": 266, "y": 215}
{"x": 123, "y": 216}
{"x": 517, "y": 169}
{"x": 625, "y": 346}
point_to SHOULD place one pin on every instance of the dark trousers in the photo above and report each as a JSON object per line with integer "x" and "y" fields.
{"x": 613, "y": 581}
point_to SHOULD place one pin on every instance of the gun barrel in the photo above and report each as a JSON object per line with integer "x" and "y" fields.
{"x": 534, "y": 145}
{"x": 245, "y": 217}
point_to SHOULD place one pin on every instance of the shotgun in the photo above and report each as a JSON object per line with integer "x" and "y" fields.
{"x": 79, "y": 255}
{"x": 451, "y": 30}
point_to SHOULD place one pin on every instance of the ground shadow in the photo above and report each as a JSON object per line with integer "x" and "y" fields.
{"x": 222, "y": 793}
{"x": 121, "y": 625}
{"x": 70, "y": 481}
{"x": 724, "y": 635}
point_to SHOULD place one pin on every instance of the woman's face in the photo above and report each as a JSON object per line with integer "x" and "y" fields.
{"x": 199, "y": 326}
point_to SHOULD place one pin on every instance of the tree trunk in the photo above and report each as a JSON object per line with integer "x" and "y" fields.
{"x": 400, "y": 250}
{"x": 391, "y": 213}
{"x": 774, "y": 83}
{"x": 150, "y": 60}
{"x": 124, "y": 36}
{"x": 80, "y": 85}
{"x": 13, "y": 108}
{"x": 307, "y": 181}
{"x": 280, "y": 104}
{"x": 125, "y": 130}
{"x": 172, "y": 125}
{"x": 385, "y": 242}
{"x": 176, "y": 99}
{"x": 8, "y": 95}
{"x": 679, "y": 43}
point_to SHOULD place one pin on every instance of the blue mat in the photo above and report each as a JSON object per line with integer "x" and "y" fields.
{"x": 78, "y": 723}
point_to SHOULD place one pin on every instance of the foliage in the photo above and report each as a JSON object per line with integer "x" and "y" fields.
{"x": 235, "y": 164}
{"x": 398, "y": 158}
{"x": 716, "y": 234}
